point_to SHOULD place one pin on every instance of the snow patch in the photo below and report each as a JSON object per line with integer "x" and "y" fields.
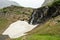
{"x": 18, "y": 29}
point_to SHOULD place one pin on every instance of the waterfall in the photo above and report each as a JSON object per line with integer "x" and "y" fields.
{"x": 32, "y": 17}
{"x": 36, "y": 17}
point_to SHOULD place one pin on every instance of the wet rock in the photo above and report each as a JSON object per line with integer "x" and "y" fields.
{"x": 45, "y": 13}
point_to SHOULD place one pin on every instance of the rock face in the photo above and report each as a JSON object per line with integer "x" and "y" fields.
{"x": 4, "y": 37}
{"x": 16, "y": 12}
{"x": 45, "y": 13}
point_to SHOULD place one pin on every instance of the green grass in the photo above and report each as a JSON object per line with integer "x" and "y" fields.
{"x": 48, "y": 31}
{"x": 44, "y": 34}
{"x": 40, "y": 37}
{"x": 3, "y": 24}
{"x": 17, "y": 38}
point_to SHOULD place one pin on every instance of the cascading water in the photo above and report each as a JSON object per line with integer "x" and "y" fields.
{"x": 32, "y": 17}
{"x": 35, "y": 17}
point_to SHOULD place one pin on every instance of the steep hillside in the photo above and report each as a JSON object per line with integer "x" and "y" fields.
{"x": 48, "y": 29}
{"x": 50, "y": 22}
{"x": 12, "y": 14}
{"x": 51, "y": 27}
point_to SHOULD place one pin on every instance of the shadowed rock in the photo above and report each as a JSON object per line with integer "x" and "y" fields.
{"x": 4, "y": 37}
{"x": 45, "y": 13}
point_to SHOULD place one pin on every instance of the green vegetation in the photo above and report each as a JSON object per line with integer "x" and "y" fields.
{"x": 47, "y": 31}
{"x": 17, "y": 38}
{"x": 51, "y": 27}
{"x": 57, "y": 2}
{"x": 42, "y": 37}
{"x": 3, "y": 21}
{"x": 52, "y": 34}
{"x": 11, "y": 14}
{"x": 54, "y": 2}
{"x": 3, "y": 24}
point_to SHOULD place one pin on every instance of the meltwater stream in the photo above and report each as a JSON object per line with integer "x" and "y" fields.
{"x": 32, "y": 18}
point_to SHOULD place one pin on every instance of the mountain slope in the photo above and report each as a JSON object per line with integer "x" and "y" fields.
{"x": 49, "y": 30}
{"x": 11, "y": 14}
{"x": 52, "y": 25}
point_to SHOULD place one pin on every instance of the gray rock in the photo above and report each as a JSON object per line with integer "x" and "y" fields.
{"x": 45, "y": 13}
{"x": 4, "y": 37}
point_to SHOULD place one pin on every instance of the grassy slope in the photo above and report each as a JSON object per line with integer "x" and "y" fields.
{"x": 40, "y": 37}
{"x": 3, "y": 23}
{"x": 11, "y": 14}
{"x": 47, "y": 31}
{"x": 50, "y": 27}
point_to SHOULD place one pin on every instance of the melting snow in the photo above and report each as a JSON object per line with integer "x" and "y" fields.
{"x": 18, "y": 29}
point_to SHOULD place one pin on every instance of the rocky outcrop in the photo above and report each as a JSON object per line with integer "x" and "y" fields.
{"x": 4, "y": 37}
{"x": 16, "y": 12}
{"x": 11, "y": 14}
{"x": 45, "y": 13}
